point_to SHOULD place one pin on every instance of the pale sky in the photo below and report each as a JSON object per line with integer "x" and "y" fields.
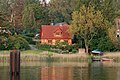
{"x": 46, "y": 0}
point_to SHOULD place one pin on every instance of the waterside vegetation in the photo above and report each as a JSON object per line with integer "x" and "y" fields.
{"x": 37, "y": 55}
{"x": 91, "y": 22}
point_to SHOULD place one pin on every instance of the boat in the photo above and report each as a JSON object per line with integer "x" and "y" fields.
{"x": 97, "y": 52}
{"x": 102, "y": 59}
{"x": 107, "y": 59}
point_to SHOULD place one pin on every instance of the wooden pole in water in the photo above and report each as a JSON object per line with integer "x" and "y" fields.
{"x": 15, "y": 65}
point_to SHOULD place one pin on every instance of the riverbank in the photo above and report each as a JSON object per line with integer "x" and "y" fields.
{"x": 37, "y": 55}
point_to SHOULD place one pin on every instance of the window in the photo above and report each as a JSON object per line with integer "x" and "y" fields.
{"x": 58, "y": 34}
{"x": 66, "y": 41}
{"x": 50, "y": 41}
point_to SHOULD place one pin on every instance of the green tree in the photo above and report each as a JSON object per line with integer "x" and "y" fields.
{"x": 1, "y": 18}
{"x": 28, "y": 16}
{"x": 85, "y": 23}
{"x": 108, "y": 8}
{"x": 60, "y": 11}
{"x": 112, "y": 35}
{"x": 102, "y": 42}
{"x": 35, "y": 15}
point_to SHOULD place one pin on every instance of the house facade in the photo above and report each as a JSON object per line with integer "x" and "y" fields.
{"x": 50, "y": 34}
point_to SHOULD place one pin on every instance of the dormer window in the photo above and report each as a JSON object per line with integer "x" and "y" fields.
{"x": 58, "y": 34}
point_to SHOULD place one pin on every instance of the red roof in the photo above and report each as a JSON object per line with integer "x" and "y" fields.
{"x": 49, "y": 31}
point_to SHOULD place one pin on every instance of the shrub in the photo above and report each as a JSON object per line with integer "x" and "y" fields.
{"x": 59, "y": 48}
{"x": 29, "y": 39}
{"x": 2, "y": 47}
{"x": 44, "y": 47}
{"x": 17, "y": 42}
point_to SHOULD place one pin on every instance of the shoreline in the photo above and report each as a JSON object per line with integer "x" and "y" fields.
{"x": 49, "y": 56}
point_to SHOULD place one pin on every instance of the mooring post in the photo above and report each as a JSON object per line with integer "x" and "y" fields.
{"x": 14, "y": 65}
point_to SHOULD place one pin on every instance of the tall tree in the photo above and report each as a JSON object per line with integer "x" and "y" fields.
{"x": 107, "y": 7}
{"x": 35, "y": 15}
{"x": 60, "y": 11}
{"x": 85, "y": 23}
{"x": 113, "y": 37}
{"x": 28, "y": 16}
{"x": 17, "y": 14}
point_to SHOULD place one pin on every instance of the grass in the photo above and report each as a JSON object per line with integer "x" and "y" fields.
{"x": 39, "y": 55}
{"x": 112, "y": 54}
{"x": 4, "y": 52}
{"x": 26, "y": 52}
{"x": 32, "y": 52}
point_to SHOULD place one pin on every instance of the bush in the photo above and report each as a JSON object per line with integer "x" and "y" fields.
{"x": 2, "y": 47}
{"x": 45, "y": 47}
{"x": 29, "y": 39}
{"x": 59, "y": 48}
{"x": 17, "y": 42}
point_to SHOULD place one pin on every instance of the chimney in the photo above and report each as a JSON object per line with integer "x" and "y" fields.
{"x": 52, "y": 24}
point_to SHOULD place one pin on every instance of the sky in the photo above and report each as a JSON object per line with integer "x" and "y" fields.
{"x": 46, "y": 1}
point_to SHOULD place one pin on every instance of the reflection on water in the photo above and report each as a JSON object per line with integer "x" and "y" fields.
{"x": 56, "y": 73}
{"x": 65, "y": 71}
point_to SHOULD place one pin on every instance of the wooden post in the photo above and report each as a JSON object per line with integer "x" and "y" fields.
{"x": 15, "y": 65}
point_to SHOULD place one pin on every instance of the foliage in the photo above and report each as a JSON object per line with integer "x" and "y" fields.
{"x": 34, "y": 15}
{"x": 107, "y": 7}
{"x": 60, "y": 11}
{"x": 28, "y": 16}
{"x": 27, "y": 2}
{"x": 85, "y": 23}
{"x": 61, "y": 45}
{"x": 44, "y": 47}
{"x": 41, "y": 15}
{"x": 3, "y": 20}
{"x": 29, "y": 38}
{"x": 102, "y": 43}
{"x": 16, "y": 42}
{"x": 59, "y": 48}
{"x": 4, "y": 5}
{"x": 78, "y": 40}
{"x": 114, "y": 38}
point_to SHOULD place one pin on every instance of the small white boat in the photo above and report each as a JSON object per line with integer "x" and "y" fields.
{"x": 107, "y": 59}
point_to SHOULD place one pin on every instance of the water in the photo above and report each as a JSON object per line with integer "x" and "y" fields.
{"x": 65, "y": 71}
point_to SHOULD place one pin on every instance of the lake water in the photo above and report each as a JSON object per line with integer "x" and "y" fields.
{"x": 65, "y": 71}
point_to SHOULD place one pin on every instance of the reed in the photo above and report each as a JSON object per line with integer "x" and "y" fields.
{"x": 47, "y": 57}
{"x": 113, "y": 55}
{"x": 36, "y": 55}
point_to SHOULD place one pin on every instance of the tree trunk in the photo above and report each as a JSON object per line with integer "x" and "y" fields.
{"x": 86, "y": 46}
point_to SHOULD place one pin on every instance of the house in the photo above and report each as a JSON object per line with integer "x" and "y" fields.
{"x": 50, "y": 34}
